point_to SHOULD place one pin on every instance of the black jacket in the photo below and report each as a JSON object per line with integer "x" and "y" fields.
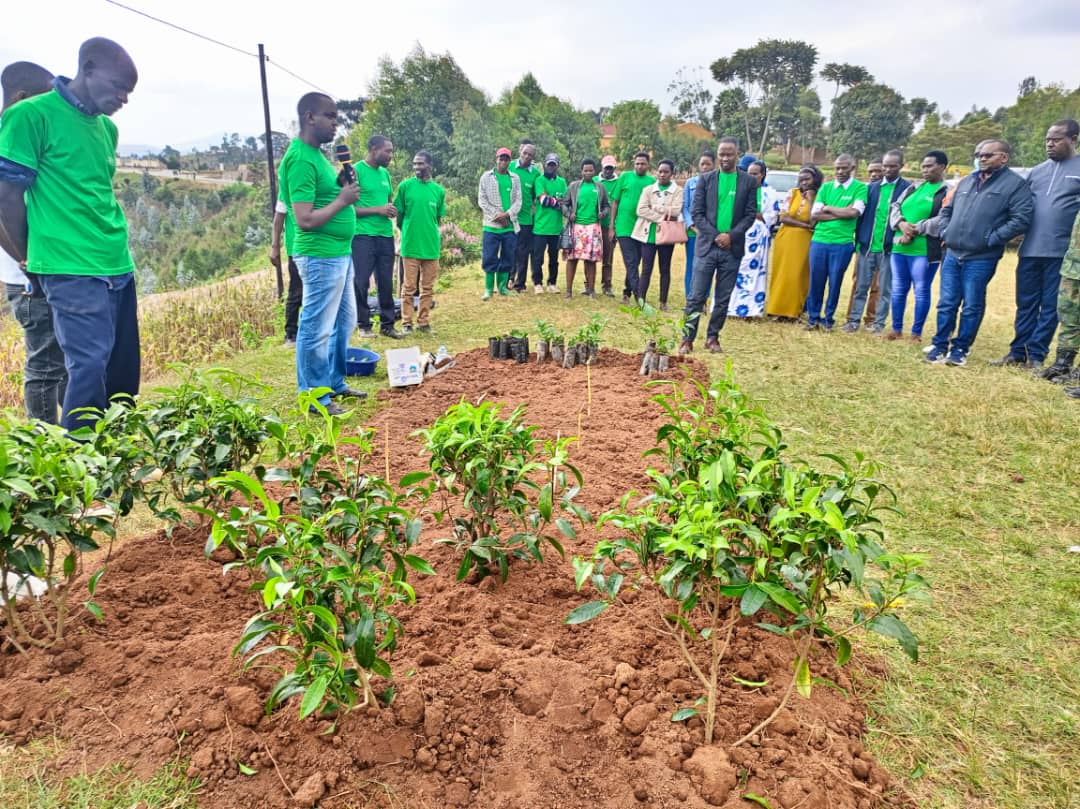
{"x": 703, "y": 211}
{"x": 864, "y": 231}
{"x": 979, "y": 222}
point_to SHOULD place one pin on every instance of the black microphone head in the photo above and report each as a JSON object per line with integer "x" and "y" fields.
{"x": 341, "y": 152}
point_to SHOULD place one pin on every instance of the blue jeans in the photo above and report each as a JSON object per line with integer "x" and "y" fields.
{"x": 963, "y": 281}
{"x": 910, "y": 271}
{"x": 96, "y": 321}
{"x": 1037, "y": 281}
{"x": 44, "y": 375}
{"x": 327, "y": 318}
{"x": 867, "y": 265}
{"x": 497, "y": 252}
{"x": 828, "y": 263}
{"x": 725, "y": 267}
{"x": 374, "y": 255}
{"x": 688, "y": 276}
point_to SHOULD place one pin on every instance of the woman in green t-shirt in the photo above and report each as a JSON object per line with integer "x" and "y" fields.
{"x": 660, "y": 202}
{"x": 585, "y": 205}
{"x": 916, "y": 255}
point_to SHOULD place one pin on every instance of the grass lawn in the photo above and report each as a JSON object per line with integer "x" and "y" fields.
{"x": 986, "y": 466}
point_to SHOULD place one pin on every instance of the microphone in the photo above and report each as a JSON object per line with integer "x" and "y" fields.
{"x": 348, "y": 173}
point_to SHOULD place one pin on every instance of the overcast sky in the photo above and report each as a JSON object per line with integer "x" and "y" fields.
{"x": 593, "y": 53}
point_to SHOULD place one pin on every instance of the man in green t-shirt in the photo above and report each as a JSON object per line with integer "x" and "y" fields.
{"x": 420, "y": 203}
{"x": 835, "y": 214}
{"x": 59, "y": 215}
{"x": 609, "y": 179}
{"x": 548, "y": 224}
{"x": 373, "y": 244}
{"x": 525, "y": 170}
{"x": 624, "y": 202}
{"x": 283, "y": 223}
{"x": 321, "y": 202}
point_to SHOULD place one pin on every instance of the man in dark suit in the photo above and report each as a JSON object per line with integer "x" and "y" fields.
{"x": 724, "y": 207}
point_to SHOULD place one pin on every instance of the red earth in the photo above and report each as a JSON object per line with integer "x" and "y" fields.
{"x": 499, "y": 704}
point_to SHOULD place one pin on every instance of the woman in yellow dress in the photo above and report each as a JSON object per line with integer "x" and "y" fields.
{"x": 789, "y": 279}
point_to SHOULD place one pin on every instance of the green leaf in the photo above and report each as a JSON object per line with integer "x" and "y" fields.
{"x": 683, "y": 714}
{"x": 419, "y": 564}
{"x": 245, "y": 769}
{"x": 802, "y": 678}
{"x": 91, "y": 585}
{"x": 753, "y": 599}
{"x": 313, "y": 695}
{"x": 750, "y": 796}
{"x": 843, "y": 651}
{"x": 749, "y": 683}
{"x": 782, "y": 597}
{"x": 892, "y": 627}
{"x": 586, "y": 612}
{"x": 583, "y": 569}
{"x": 94, "y": 610}
{"x": 412, "y": 479}
{"x": 544, "y": 503}
{"x": 566, "y": 527}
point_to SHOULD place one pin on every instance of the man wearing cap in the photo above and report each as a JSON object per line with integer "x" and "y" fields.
{"x": 527, "y": 173}
{"x": 608, "y": 178}
{"x": 550, "y": 189}
{"x": 499, "y": 198}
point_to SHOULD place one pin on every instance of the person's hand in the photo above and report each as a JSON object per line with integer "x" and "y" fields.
{"x": 389, "y": 211}
{"x": 502, "y": 218}
{"x": 905, "y": 239}
{"x": 908, "y": 229}
{"x": 611, "y": 233}
{"x": 723, "y": 241}
{"x": 349, "y": 194}
{"x": 275, "y": 255}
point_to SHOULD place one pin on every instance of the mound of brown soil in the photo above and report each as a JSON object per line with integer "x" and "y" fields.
{"x": 499, "y": 704}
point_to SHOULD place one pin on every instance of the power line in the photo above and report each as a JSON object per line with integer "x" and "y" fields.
{"x": 219, "y": 42}
{"x": 181, "y": 28}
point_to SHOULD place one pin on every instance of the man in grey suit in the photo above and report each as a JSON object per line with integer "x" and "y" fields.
{"x": 724, "y": 207}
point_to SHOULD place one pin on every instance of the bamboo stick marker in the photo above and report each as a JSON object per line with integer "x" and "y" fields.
{"x": 588, "y": 382}
{"x": 387, "y": 453}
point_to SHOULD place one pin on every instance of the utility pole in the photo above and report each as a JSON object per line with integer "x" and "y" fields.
{"x": 270, "y": 172}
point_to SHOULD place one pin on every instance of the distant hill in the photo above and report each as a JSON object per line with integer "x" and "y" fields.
{"x": 184, "y": 147}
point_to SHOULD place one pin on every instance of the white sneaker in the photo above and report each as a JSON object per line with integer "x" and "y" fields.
{"x": 552, "y": 288}
{"x": 539, "y": 289}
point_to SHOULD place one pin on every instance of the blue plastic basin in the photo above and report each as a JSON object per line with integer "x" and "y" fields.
{"x": 360, "y": 361}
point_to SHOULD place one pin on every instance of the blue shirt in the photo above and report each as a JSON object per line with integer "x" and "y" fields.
{"x": 688, "y": 198}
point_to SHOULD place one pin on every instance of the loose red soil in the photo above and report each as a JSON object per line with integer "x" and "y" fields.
{"x": 499, "y": 704}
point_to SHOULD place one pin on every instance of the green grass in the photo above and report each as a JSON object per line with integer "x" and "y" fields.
{"x": 985, "y": 465}
{"x": 26, "y": 783}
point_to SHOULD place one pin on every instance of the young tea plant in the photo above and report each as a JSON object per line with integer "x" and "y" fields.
{"x": 49, "y": 483}
{"x": 207, "y": 425}
{"x": 733, "y": 528}
{"x": 330, "y": 556}
{"x": 512, "y": 487}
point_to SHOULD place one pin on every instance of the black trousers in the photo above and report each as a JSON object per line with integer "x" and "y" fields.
{"x": 374, "y": 255}
{"x": 551, "y": 245}
{"x": 293, "y": 300}
{"x": 631, "y": 256}
{"x": 522, "y": 251}
{"x": 649, "y": 252}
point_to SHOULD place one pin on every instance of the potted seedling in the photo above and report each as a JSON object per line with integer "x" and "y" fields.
{"x": 557, "y": 345}
{"x": 592, "y": 334}
{"x": 519, "y": 345}
{"x": 570, "y": 356}
{"x": 546, "y": 336}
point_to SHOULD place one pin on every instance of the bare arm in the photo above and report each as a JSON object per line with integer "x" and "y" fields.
{"x": 275, "y": 238}
{"x": 13, "y": 220}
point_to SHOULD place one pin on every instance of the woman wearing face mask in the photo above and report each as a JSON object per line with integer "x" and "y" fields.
{"x": 789, "y": 281}
{"x": 660, "y": 202}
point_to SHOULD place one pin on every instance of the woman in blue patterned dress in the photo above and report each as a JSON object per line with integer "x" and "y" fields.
{"x": 748, "y": 297}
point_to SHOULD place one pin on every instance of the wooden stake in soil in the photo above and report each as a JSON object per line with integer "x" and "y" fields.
{"x": 386, "y": 452}
{"x": 588, "y": 383}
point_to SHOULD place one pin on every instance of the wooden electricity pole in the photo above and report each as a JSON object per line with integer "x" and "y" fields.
{"x": 271, "y": 173}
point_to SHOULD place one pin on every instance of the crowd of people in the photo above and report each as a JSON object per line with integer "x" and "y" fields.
{"x": 750, "y": 251}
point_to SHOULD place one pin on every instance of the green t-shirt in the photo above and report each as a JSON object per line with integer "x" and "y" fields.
{"x": 549, "y": 221}
{"x": 307, "y": 176}
{"x": 420, "y": 205}
{"x": 587, "y": 204}
{"x": 506, "y": 186}
{"x": 725, "y": 199}
{"x": 528, "y": 178}
{"x": 76, "y": 226}
{"x": 375, "y": 190}
{"x": 610, "y": 186}
{"x": 652, "y": 225}
{"x": 290, "y": 231}
{"x": 881, "y": 217}
{"x": 839, "y": 231}
{"x": 915, "y": 208}
{"x": 627, "y": 192}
